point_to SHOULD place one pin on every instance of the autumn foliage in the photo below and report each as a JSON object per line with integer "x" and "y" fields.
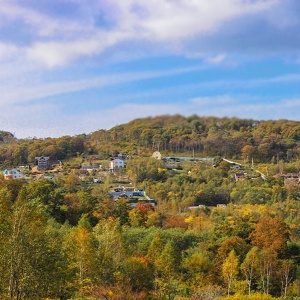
{"x": 206, "y": 236}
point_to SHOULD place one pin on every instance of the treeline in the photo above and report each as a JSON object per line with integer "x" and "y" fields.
{"x": 21, "y": 152}
{"x": 264, "y": 141}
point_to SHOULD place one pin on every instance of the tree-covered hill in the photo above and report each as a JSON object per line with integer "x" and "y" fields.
{"x": 237, "y": 138}
{"x": 208, "y": 136}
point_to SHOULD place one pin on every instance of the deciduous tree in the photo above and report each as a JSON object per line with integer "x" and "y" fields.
{"x": 230, "y": 269}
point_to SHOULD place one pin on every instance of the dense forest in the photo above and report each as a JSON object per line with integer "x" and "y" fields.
{"x": 210, "y": 236}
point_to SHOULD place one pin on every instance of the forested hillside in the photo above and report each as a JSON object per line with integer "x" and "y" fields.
{"x": 265, "y": 141}
{"x": 211, "y": 235}
{"x": 208, "y": 136}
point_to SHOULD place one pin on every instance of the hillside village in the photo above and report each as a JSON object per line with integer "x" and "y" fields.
{"x": 115, "y": 167}
{"x": 121, "y": 217}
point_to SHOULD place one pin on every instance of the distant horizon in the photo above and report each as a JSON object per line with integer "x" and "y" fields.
{"x": 69, "y": 68}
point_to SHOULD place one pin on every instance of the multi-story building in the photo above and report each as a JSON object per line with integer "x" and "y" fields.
{"x": 116, "y": 164}
{"x": 42, "y": 163}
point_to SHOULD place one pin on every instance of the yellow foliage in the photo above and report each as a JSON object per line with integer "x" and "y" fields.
{"x": 189, "y": 219}
{"x": 161, "y": 170}
{"x": 254, "y": 296}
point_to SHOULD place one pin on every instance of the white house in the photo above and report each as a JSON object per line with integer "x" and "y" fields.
{"x": 116, "y": 164}
{"x": 13, "y": 173}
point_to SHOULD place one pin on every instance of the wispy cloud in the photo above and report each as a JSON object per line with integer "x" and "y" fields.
{"x": 291, "y": 103}
{"x": 204, "y": 86}
{"x": 250, "y": 83}
{"x": 216, "y": 100}
{"x": 23, "y": 90}
{"x": 216, "y": 59}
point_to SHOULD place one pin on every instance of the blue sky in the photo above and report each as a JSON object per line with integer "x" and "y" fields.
{"x": 73, "y": 66}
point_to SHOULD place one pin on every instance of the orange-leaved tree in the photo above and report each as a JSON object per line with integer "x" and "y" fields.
{"x": 270, "y": 233}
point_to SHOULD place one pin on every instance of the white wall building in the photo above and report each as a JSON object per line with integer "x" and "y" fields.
{"x": 13, "y": 173}
{"x": 116, "y": 164}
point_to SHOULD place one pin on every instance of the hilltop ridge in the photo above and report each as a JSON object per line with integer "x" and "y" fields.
{"x": 172, "y": 134}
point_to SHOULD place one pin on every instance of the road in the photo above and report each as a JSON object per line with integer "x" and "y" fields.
{"x": 263, "y": 176}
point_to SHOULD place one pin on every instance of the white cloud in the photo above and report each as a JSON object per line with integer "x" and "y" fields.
{"x": 40, "y": 24}
{"x": 56, "y": 54}
{"x": 59, "y": 41}
{"x": 166, "y": 20}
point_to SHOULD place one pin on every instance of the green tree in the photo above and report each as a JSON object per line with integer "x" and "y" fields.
{"x": 138, "y": 273}
{"x": 34, "y": 268}
{"x": 110, "y": 251}
{"x": 72, "y": 182}
{"x": 155, "y": 249}
{"x": 45, "y": 192}
{"x": 167, "y": 262}
{"x": 197, "y": 266}
{"x": 6, "y": 212}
